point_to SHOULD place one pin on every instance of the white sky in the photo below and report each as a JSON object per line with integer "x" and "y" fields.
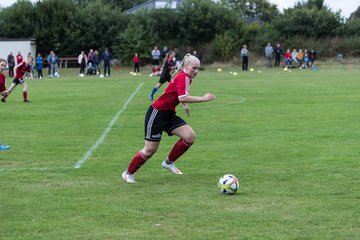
{"x": 346, "y": 6}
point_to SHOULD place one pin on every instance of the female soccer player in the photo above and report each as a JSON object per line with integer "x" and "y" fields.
{"x": 3, "y": 91}
{"x": 165, "y": 76}
{"x": 161, "y": 116}
{"x": 20, "y": 70}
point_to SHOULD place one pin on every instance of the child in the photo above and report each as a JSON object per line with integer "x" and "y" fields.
{"x": 20, "y": 70}
{"x": 161, "y": 116}
{"x": 136, "y": 61}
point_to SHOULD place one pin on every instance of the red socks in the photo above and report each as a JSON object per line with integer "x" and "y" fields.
{"x": 138, "y": 160}
{"x": 179, "y": 149}
{"x": 25, "y": 96}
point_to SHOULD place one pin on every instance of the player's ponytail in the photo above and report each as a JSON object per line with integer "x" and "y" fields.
{"x": 183, "y": 63}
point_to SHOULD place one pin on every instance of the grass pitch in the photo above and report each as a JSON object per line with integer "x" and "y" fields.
{"x": 292, "y": 139}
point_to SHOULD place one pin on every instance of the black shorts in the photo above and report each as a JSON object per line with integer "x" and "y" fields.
{"x": 156, "y": 62}
{"x": 157, "y": 122}
{"x": 165, "y": 77}
{"x": 18, "y": 81}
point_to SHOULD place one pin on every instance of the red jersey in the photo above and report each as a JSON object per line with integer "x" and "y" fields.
{"x": 136, "y": 60}
{"x": 19, "y": 59}
{"x": 288, "y": 55}
{"x": 21, "y": 69}
{"x": 177, "y": 87}
{"x": 2, "y": 83}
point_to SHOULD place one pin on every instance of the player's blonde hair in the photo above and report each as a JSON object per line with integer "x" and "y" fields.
{"x": 187, "y": 60}
{"x": 2, "y": 60}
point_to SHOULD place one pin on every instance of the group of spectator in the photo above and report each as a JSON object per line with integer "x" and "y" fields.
{"x": 90, "y": 63}
{"x": 302, "y": 58}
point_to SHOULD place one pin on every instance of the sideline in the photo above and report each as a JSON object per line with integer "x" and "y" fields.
{"x": 88, "y": 154}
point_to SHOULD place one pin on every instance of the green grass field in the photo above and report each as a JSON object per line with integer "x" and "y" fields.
{"x": 292, "y": 139}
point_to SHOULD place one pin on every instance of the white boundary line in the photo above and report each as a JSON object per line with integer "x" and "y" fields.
{"x": 89, "y": 152}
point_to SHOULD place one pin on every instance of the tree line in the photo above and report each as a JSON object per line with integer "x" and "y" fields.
{"x": 216, "y": 29}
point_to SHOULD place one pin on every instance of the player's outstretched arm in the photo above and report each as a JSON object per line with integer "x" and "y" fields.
{"x": 196, "y": 99}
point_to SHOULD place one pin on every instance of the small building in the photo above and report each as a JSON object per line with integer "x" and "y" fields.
{"x": 155, "y": 4}
{"x": 14, "y": 45}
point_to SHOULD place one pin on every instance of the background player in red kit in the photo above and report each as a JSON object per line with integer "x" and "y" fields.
{"x": 161, "y": 116}
{"x": 3, "y": 91}
{"x": 20, "y": 71}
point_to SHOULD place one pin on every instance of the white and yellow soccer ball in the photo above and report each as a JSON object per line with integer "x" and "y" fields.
{"x": 228, "y": 184}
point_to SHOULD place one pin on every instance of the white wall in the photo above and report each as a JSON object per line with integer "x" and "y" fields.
{"x": 14, "y": 46}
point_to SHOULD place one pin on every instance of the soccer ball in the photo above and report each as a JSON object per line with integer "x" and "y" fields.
{"x": 228, "y": 184}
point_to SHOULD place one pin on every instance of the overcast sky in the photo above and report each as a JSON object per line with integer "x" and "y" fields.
{"x": 346, "y": 6}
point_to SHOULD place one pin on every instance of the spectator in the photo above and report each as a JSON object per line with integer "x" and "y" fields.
{"x": 106, "y": 56}
{"x": 54, "y": 60}
{"x": 136, "y": 62}
{"x": 39, "y": 65}
{"x": 96, "y": 61}
{"x": 288, "y": 59}
{"x": 268, "y": 54}
{"x": 32, "y": 63}
{"x": 244, "y": 53}
{"x": 82, "y": 60}
{"x": 300, "y": 57}
{"x": 312, "y": 57}
{"x": 278, "y": 54}
{"x": 164, "y": 53}
{"x": 155, "y": 56}
{"x": 90, "y": 56}
{"x": 294, "y": 55}
{"x": 19, "y": 58}
{"x": 11, "y": 64}
{"x": 306, "y": 59}
{"x": 49, "y": 62}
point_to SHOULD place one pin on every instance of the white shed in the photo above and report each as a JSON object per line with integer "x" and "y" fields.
{"x": 14, "y": 45}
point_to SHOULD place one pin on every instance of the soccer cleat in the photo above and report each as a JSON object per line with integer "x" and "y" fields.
{"x": 4, "y": 147}
{"x": 151, "y": 97}
{"x": 171, "y": 167}
{"x": 3, "y": 100}
{"x": 129, "y": 178}
{"x": 27, "y": 101}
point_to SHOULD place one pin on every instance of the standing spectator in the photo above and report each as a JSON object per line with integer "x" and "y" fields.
{"x": 96, "y": 62}
{"x": 161, "y": 117}
{"x": 155, "y": 56}
{"x": 32, "y": 63}
{"x": 244, "y": 53}
{"x": 54, "y": 61}
{"x": 49, "y": 62}
{"x": 20, "y": 71}
{"x": 165, "y": 76}
{"x": 39, "y": 65}
{"x": 82, "y": 60}
{"x": 106, "y": 56}
{"x": 288, "y": 58}
{"x": 268, "y": 54}
{"x": 294, "y": 55}
{"x": 278, "y": 55}
{"x": 164, "y": 53}
{"x": 136, "y": 62}
{"x": 90, "y": 56}
{"x": 11, "y": 64}
{"x": 19, "y": 58}
{"x": 312, "y": 57}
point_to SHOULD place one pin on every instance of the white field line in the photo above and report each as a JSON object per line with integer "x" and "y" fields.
{"x": 88, "y": 154}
